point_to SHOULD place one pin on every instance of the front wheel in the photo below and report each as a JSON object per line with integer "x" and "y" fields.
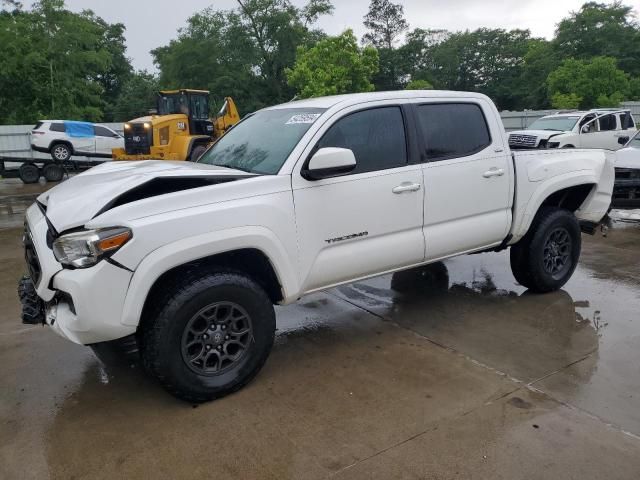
{"x": 209, "y": 336}
{"x": 546, "y": 257}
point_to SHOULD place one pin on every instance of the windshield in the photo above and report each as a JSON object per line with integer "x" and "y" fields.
{"x": 172, "y": 103}
{"x": 262, "y": 142}
{"x": 556, "y": 123}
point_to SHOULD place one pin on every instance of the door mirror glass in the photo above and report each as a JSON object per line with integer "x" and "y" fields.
{"x": 330, "y": 162}
{"x": 623, "y": 140}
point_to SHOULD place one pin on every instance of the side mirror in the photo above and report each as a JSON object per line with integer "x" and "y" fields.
{"x": 623, "y": 140}
{"x": 584, "y": 129}
{"x": 329, "y": 162}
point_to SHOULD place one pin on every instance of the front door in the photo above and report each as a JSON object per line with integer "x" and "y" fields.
{"x": 468, "y": 177}
{"x": 366, "y": 222}
{"x": 601, "y": 134}
{"x": 106, "y": 141}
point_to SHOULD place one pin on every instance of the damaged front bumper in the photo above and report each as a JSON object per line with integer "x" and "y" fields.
{"x": 81, "y": 305}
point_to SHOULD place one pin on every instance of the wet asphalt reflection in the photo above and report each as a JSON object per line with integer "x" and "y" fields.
{"x": 448, "y": 371}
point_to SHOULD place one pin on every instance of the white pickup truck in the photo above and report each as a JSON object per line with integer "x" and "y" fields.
{"x": 191, "y": 257}
{"x": 601, "y": 128}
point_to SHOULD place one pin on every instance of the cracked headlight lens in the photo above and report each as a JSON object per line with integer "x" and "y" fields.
{"x": 85, "y": 249}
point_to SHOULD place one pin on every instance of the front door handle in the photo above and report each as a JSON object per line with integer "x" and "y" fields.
{"x": 406, "y": 187}
{"x": 493, "y": 172}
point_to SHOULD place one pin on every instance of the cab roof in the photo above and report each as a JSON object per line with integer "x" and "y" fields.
{"x": 356, "y": 98}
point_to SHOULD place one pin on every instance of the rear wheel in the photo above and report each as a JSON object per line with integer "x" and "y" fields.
{"x": 545, "y": 259}
{"x": 61, "y": 152}
{"x": 209, "y": 336}
{"x": 29, "y": 173}
{"x": 53, "y": 172}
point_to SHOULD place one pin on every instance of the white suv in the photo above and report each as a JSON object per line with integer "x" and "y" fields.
{"x": 63, "y": 138}
{"x": 593, "y": 129}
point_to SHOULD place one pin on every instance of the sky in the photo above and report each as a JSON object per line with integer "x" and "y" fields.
{"x": 153, "y": 23}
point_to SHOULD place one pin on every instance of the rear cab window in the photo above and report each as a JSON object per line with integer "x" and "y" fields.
{"x": 452, "y": 130}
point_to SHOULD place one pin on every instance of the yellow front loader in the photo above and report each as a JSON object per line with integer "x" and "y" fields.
{"x": 180, "y": 130}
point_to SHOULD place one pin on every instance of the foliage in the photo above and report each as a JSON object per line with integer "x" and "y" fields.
{"x": 603, "y": 30}
{"x": 597, "y": 82}
{"x": 334, "y": 65}
{"x": 241, "y": 53}
{"x": 137, "y": 96}
{"x": 565, "y": 101}
{"x": 419, "y": 85}
{"x": 490, "y": 61}
{"x": 58, "y": 64}
{"x": 385, "y": 23}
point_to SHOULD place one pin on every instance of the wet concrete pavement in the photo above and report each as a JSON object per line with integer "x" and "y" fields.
{"x": 450, "y": 371}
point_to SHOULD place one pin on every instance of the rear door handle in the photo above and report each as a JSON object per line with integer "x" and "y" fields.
{"x": 493, "y": 172}
{"x": 406, "y": 187}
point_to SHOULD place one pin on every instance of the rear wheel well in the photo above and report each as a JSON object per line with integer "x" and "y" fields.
{"x": 250, "y": 261}
{"x": 570, "y": 198}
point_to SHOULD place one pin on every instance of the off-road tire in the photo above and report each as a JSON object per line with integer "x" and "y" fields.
{"x": 527, "y": 256}
{"x": 197, "y": 152}
{"x": 29, "y": 173}
{"x": 163, "y": 326}
{"x": 53, "y": 172}
{"x": 61, "y": 152}
{"x": 32, "y": 308}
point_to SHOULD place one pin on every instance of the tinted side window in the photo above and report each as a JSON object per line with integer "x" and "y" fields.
{"x": 102, "y": 132}
{"x": 626, "y": 120}
{"x": 57, "y": 127}
{"x": 453, "y": 130}
{"x": 375, "y": 136}
{"x": 608, "y": 122}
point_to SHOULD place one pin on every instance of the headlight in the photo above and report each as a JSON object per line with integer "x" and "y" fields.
{"x": 127, "y": 126}
{"x": 85, "y": 249}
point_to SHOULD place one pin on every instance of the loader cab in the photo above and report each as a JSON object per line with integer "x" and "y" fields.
{"x": 192, "y": 103}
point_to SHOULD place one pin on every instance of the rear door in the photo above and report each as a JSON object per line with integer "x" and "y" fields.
{"x": 468, "y": 176}
{"x": 370, "y": 220}
{"x": 106, "y": 140}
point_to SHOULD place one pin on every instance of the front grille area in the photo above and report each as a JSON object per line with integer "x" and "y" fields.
{"x": 626, "y": 190}
{"x": 522, "y": 141}
{"x": 138, "y": 140}
{"x": 30, "y": 256}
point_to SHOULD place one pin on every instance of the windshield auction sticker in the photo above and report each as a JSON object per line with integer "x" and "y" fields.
{"x": 303, "y": 118}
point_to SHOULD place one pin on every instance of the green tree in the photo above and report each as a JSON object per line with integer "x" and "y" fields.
{"x": 137, "y": 96}
{"x": 419, "y": 85}
{"x": 55, "y": 63}
{"x": 334, "y": 65}
{"x": 385, "y": 23}
{"x": 241, "y": 53}
{"x": 489, "y": 61}
{"x": 598, "y": 29}
{"x": 596, "y": 83}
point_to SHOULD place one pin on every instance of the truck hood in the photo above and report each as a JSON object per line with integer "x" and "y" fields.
{"x": 628, "y": 158}
{"x": 74, "y": 202}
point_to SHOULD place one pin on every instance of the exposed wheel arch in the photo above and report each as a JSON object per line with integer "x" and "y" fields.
{"x": 248, "y": 261}
{"x": 570, "y": 198}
